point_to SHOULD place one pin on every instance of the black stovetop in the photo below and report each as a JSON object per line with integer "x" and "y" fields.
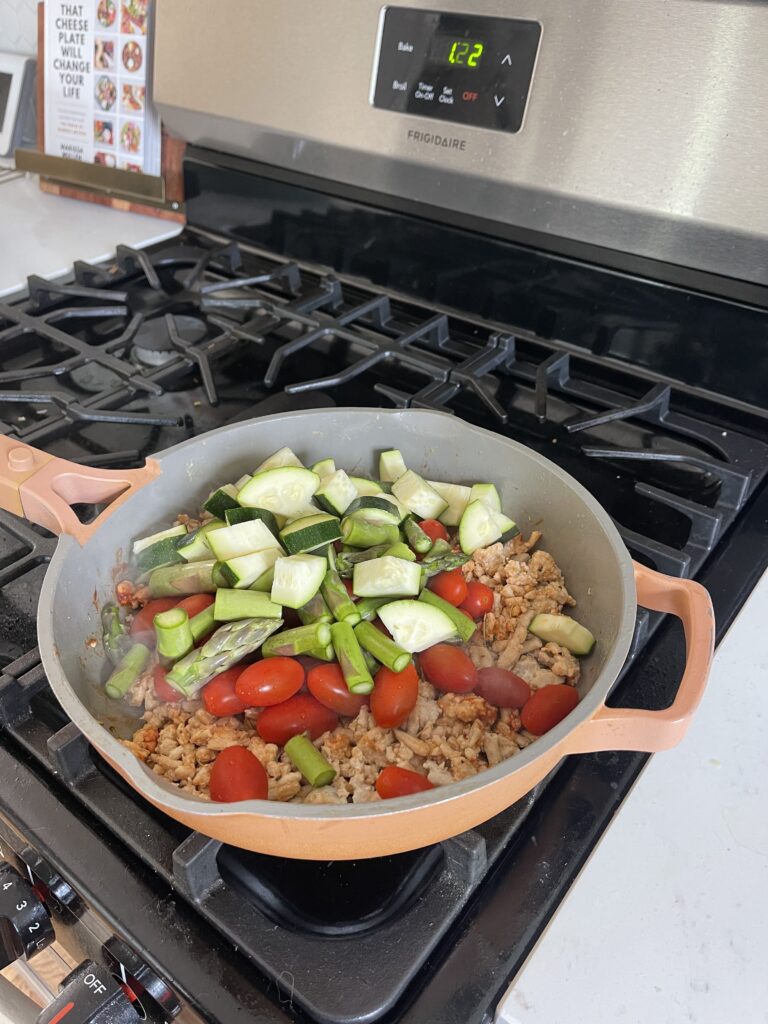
{"x": 138, "y": 354}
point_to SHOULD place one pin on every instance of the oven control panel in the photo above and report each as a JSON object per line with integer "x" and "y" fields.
{"x": 462, "y": 68}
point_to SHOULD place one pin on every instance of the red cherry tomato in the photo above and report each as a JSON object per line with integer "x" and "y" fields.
{"x": 301, "y": 713}
{"x": 195, "y": 604}
{"x": 448, "y": 668}
{"x": 434, "y": 529}
{"x": 219, "y": 696}
{"x": 326, "y": 684}
{"x": 270, "y": 681}
{"x": 451, "y": 586}
{"x": 501, "y": 688}
{"x": 394, "y": 696}
{"x": 143, "y": 620}
{"x": 394, "y": 781}
{"x": 237, "y": 774}
{"x": 163, "y": 690}
{"x": 547, "y": 707}
{"x": 478, "y": 601}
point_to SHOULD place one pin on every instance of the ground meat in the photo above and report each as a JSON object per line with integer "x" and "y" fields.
{"x": 447, "y": 736}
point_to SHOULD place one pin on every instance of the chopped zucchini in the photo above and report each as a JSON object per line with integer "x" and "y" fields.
{"x": 298, "y": 579}
{"x": 242, "y": 481}
{"x": 324, "y": 468}
{"x": 278, "y": 460}
{"x": 310, "y": 532}
{"x": 465, "y": 626}
{"x": 457, "y": 496}
{"x": 220, "y": 500}
{"x": 162, "y": 552}
{"x": 479, "y": 527}
{"x": 336, "y": 492}
{"x": 284, "y": 491}
{"x": 245, "y": 571}
{"x": 391, "y": 465}
{"x": 365, "y": 486}
{"x": 377, "y": 508}
{"x": 415, "y": 626}
{"x": 146, "y": 542}
{"x": 508, "y": 527}
{"x": 563, "y": 630}
{"x": 416, "y": 494}
{"x": 486, "y": 493}
{"x": 386, "y": 576}
{"x": 194, "y": 547}
{"x": 237, "y": 515}
{"x": 244, "y": 604}
{"x": 241, "y": 539}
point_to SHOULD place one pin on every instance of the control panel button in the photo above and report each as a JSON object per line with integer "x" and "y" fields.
{"x": 90, "y": 995}
{"x": 56, "y": 892}
{"x": 158, "y": 999}
{"x": 25, "y": 927}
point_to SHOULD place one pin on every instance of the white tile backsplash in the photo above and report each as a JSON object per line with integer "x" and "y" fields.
{"x": 18, "y": 26}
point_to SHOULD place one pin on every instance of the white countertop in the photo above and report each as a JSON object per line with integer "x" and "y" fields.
{"x": 668, "y": 921}
{"x": 44, "y": 234}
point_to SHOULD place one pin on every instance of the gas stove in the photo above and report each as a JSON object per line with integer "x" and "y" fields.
{"x": 293, "y": 298}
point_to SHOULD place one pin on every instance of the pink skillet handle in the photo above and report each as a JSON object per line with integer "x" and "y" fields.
{"x": 41, "y": 488}
{"x": 635, "y": 729}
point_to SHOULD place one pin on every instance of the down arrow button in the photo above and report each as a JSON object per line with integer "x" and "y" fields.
{"x": 498, "y": 100}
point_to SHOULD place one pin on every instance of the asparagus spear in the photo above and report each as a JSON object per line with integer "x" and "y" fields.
{"x": 116, "y": 639}
{"x": 381, "y": 647}
{"x": 228, "y": 645}
{"x": 202, "y": 623}
{"x": 443, "y": 564}
{"x": 439, "y": 549}
{"x": 346, "y": 560}
{"x": 182, "y": 579}
{"x": 315, "y": 610}
{"x": 338, "y": 600}
{"x": 350, "y": 658}
{"x": 128, "y": 670}
{"x": 301, "y": 640}
{"x": 174, "y": 637}
{"x": 419, "y": 541}
{"x": 368, "y": 606}
{"x": 365, "y": 533}
{"x": 309, "y": 761}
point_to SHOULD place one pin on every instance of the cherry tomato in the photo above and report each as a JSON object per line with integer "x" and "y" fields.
{"x": 501, "y": 688}
{"x": 478, "y": 601}
{"x": 163, "y": 690}
{"x": 237, "y": 774}
{"x": 547, "y": 707}
{"x": 219, "y": 696}
{"x": 195, "y": 604}
{"x": 326, "y": 684}
{"x": 301, "y": 713}
{"x": 350, "y": 591}
{"x": 143, "y": 620}
{"x": 394, "y": 781}
{"x": 394, "y": 696}
{"x": 448, "y": 668}
{"x": 270, "y": 681}
{"x": 434, "y": 529}
{"x": 451, "y": 586}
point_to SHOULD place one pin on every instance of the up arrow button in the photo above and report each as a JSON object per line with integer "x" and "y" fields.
{"x": 498, "y": 100}
{"x": 506, "y": 59}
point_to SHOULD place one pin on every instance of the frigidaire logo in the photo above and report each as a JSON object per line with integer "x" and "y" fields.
{"x": 433, "y": 139}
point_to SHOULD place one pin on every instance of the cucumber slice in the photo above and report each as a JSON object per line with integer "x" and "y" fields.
{"x": 563, "y": 630}
{"x": 391, "y": 465}
{"x": 508, "y": 527}
{"x": 241, "y": 539}
{"x": 336, "y": 492}
{"x": 283, "y": 491}
{"x": 416, "y": 494}
{"x": 246, "y": 571}
{"x": 464, "y": 625}
{"x": 365, "y": 486}
{"x": 147, "y": 542}
{"x": 298, "y": 579}
{"x": 310, "y": 532}
{"x": 324, "y": 468}
{"x": 478, "y": 528}
{"x": 162, "y": 552}
{"x": 415, "y": 626}
{"x": 220, "y": 500}
{"x": 237, "y": 515}
{"x": 277, "y": 460}
{"x": 376, "y": 508}
{"x": 486, "y": 493}
{"x": 244, "y": 604}
{"x": 457, "y": 496}
{"x": 194, "y": 547}
{"x": 385, "y": 577}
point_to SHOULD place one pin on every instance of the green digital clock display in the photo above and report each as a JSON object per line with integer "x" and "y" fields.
{"x": 465, "y": 53}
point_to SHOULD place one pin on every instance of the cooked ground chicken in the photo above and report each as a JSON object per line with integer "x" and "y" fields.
{"x": 447, "y": 737}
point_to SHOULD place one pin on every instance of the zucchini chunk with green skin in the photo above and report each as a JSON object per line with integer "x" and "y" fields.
{"x": 563, "y": 630}
{"x": 310, "y": 532}
{"x": 244, "y": 604}
{"x": 486, "y": 493}
{"x": 284, "y": 492}
{"x": 457, "y": 496}
{"x": 364, "y": 486}
{"x": 400, "y": 550}
{"x": 220, "y": 500}
{"x": 155, "y": 538}
{"x": 324, "y": 468}
{"x": 162, "y": 552}
{"x": 242, "y": 539}
{"x": 464, "y": 626}
{"x": 241, "y": 482}
{"x": 336, "y": 493}
{"x": 378, "y": 508}
{"x": 508, "y": 527}
{"x": 237, "y": 515}
{"x": 194, "y": 547}
{"x": 391, "y": 466}
{"x": 278, "y": 460}
{"x": 479, "y": 527}
{"x": 298, "y": 579}
{"x": 415, "y": 626}
{"x": 386, "y": 577}
{"x": 416, "y": 494}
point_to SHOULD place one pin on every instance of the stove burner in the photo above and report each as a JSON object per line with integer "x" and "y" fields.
{"x": 153, "y": 344}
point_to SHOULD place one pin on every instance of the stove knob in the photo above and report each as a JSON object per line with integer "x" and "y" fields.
{"x": 90, "y": 995}
{"x": 25, "y": 927}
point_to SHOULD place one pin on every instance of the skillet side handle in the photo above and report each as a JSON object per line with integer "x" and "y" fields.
{"x": 41, "y": 488}
{"x": 651, "y": 731}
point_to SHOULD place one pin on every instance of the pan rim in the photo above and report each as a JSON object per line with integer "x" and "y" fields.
{"x": 163, "y": 795}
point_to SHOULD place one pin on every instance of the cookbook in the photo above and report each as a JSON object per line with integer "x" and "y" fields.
{"x": 98, "y": 84}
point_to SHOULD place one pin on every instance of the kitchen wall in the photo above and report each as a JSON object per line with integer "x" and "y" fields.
{"x": 18, "y": 26}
